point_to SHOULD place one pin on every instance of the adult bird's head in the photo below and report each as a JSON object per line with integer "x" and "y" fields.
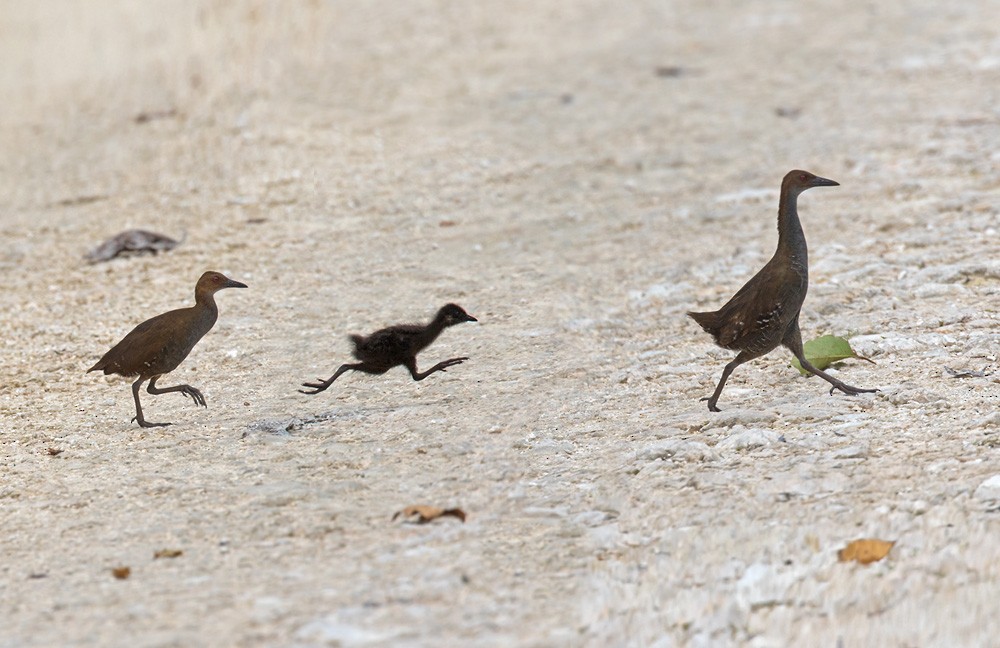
{"x": 211, "y": 282}
{"x": 798, "y": 181}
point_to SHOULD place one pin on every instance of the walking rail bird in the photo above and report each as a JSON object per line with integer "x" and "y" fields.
{"x": 765, "y": 312}
{"x": 398, "y": 345}
{"x": 158, "y": 345}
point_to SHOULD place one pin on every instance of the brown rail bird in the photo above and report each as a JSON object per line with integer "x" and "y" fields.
{"x": 398, "y": 345}
{"x": 159, "y": 345}
{"x": 765, "y": 312}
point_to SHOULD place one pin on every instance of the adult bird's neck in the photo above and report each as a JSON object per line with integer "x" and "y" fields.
{"x": 205, "y": 299}
{"x": 205, "y": 309}
{"x": 791, "y": 238}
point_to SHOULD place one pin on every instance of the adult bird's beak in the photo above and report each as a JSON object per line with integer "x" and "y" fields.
{"x": 470, "y": 318}
{"x": 823, "y": 182}
{"x": 233, "y": 284}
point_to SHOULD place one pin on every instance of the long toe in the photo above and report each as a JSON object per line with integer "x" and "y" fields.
{"x": 147, "y": 424}
{"x": 851, "y": 390}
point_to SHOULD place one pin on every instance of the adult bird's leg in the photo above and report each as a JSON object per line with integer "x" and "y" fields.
{"x": 187, "y": 390}
{"x": 744, "y": 356}
{"x": 138, "y": 418}
{"x": 322, "y": 385}
{"x": 793, "y": 340}
{"x": 411, "y": 364}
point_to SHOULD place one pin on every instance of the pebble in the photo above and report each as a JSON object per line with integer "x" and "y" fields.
{"x": 990, "y": 421}
{"x": 745, "y": 439}
{"x": 851, "y": 452}
{"x": 676, "y": 450}
{"x": 551, "y": 446}
{"x": 764, "y": 585}
{"x": 989, "y": 489}
{"x": 734, "y": 417}
{"x": 280, "y": 427}
{"x": 332, "y": 632}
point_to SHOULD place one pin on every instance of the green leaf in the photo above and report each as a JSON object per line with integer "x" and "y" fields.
{"x": 824, "y": 351}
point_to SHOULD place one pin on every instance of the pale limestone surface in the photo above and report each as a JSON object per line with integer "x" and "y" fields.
{"x": 359, "y": 164}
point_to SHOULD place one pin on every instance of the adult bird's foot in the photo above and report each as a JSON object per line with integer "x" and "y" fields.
{"x": 195, "y": 395}
{"x": 147, "y": 424}
{"x": 850, "y": 390}
{"x": 711, "y": 405}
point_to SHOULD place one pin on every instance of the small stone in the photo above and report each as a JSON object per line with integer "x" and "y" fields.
{"x": 733, "y": 417}
{"x": 852, "y": 452}
{"x": 551, "y": 446}
{"x": 989, "y": 489}
{"x": 676, "y": 450}
{"x": 743, "y": 439}
{"x": 991, "y": 421}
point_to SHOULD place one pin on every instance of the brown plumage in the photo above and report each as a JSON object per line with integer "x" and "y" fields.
{"x": 765, "y": 312}
{"x": 159, "y": 345}
{"x": 398, "y": 345}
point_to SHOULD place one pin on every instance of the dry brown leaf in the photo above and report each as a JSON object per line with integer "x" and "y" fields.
{"x": 53, "y": 451}
{"x": 121, "y": 573}
{"x": 865, "y": 551}
{"x": 167, "y": 553}
{"x": 421, "y": 514}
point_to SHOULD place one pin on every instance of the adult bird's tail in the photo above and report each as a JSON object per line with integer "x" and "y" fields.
{"x": 708, "y": 321}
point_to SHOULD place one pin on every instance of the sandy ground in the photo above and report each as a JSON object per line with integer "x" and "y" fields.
{"x": 575, "y": 174}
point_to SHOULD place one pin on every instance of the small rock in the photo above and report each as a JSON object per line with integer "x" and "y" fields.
{"x": 991, "y": 421}
{"x": 551, "y": 446}
{"x": 279, "y": 427}
{"x": 330, "y": 631}
{"x": 593, "y": 518}
{"x": 852, "y": 452}
{"x": 733, "y": 417}
{"x": 763, "y": 585}
{"x": 676, "y": 450}
{"x": 989, "y": 489}
{"x": 543, "y": 512}
{"x": 744, "y": 439}
{"x": 883, "y": 343}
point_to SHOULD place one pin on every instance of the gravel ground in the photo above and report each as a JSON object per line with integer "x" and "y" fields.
{"x": 577, "y": 176}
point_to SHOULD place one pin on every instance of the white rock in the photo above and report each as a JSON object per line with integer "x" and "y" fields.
{"x": 676, "y": 450}
{"x": 551, "y": 446}
{"x": 330, "y": 631}
{"x": 733, "y": 417}
{"x": 743, "y": 439}
{"x": 991, "y": 421}
{"x": 764, "y": 585}
{"x": 852, "y": 452}
{"x": 989, "y": 489}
